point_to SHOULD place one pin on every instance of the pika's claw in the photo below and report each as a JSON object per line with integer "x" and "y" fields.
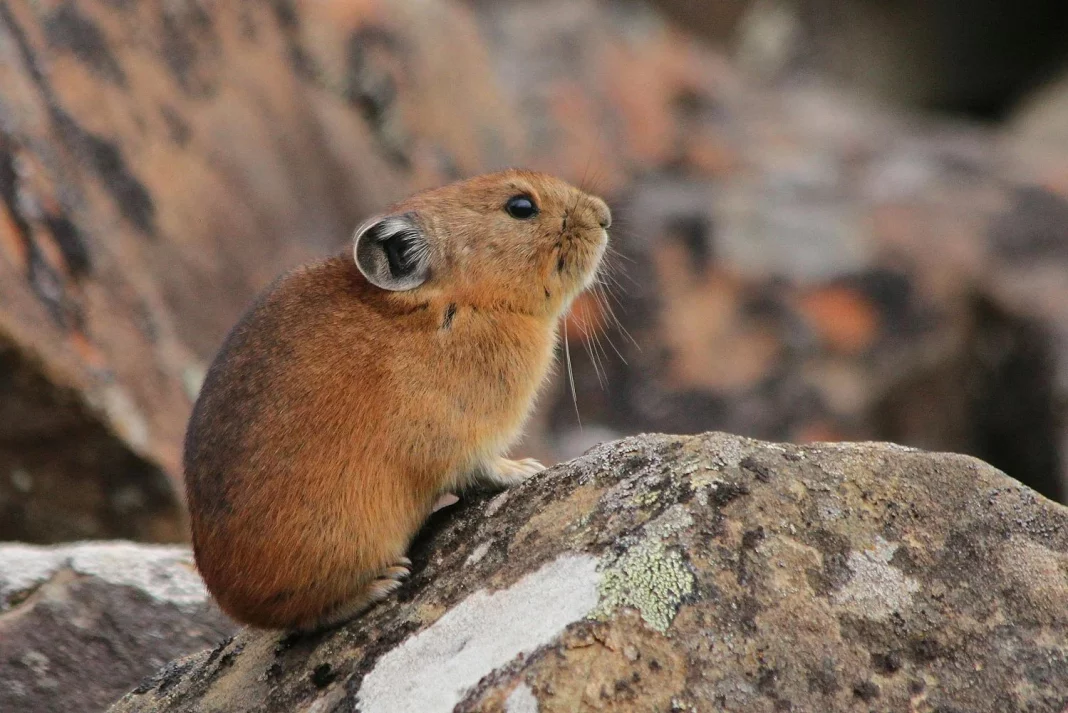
{"x": 380, "y": 589}
{"x": 397, "y": 573}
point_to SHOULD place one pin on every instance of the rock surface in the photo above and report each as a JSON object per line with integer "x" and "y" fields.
{"x": 913, "y": 52}
{"x": 80, "y": 624}
{"x": 698, "y": 573}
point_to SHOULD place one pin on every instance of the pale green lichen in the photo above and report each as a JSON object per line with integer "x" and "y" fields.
{"x": 709, "y": 479}
{"x": 688, "y": 468}
{"x": 648, "y": 577}
{"x": 646, "y": 499}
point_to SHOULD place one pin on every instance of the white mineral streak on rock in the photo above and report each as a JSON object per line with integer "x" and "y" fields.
{"x": 431, "y": 672}
{"x": 164, "y": 572}
{"x": 476, "y": 556}
{"x": 521, "y": 700}
{"x": 24, "y": 567}
{"x": 877, "y": 589}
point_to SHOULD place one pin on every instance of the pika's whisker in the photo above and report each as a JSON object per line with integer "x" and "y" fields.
{"x": 571, "y": 375}
{"x": 601, "y": 381}
{"x": 607, "y": 310}
{"x": 590, "y": 342}
{"x": 607, "y": 306}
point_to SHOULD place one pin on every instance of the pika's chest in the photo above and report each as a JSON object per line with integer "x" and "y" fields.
{"x": 494, "y": 378}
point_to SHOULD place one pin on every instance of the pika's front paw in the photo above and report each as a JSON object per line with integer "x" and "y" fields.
{"x": 505, "y": 472}
{"x": 523, "y": 469}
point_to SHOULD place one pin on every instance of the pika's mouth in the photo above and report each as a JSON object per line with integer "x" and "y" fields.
{"x": 600, "y": 247}
{"x": 580, "y": 247}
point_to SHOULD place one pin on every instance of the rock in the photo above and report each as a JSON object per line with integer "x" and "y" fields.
{"x": 717, "y": 21}
{"x": 690, "y": 574}
{"x": 82, "y": 623}
{"x": 909, "y": 52}
{"x": 1037, "y": 134}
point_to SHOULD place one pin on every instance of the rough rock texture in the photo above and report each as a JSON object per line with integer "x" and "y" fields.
{"x": 799, "y": 265}
{"x": 708, "y": 573}
{"x": 80, "y": 624}
{"x": 950, "y": 55}
{"x": 1038, "y": 132}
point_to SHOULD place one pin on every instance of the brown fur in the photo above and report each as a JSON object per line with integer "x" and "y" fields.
{"x": 336, "y": 413}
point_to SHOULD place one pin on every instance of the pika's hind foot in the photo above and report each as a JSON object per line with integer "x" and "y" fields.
{"x": 504, "y": 473}
{"x": 444, "y": 500}
{"x": 398, "y": 571}
{"x": 389, "y": 581}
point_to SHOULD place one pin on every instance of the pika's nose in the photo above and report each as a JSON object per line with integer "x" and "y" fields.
{"x": 601, "y": 211}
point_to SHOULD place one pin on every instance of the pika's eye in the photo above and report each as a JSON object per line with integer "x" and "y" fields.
{"x": 521, "y": 207}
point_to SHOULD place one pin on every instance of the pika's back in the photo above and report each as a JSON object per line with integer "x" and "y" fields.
{"x": 282, "y": 377}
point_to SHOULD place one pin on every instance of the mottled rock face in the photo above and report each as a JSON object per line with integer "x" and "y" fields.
{"x": 690, "y": 574}
{"x": 80, "y": 624}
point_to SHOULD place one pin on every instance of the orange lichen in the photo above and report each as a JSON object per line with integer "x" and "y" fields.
{"x": 843, "y": 318}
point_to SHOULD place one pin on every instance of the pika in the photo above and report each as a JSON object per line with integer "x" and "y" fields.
{"x": 357, "y": 391}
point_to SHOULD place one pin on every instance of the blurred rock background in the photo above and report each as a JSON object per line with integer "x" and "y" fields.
{"x": 837, "y": 219}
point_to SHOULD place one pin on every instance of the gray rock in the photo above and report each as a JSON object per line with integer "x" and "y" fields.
{"x": 82, "y": 623}
{"x": 695, "y": 573}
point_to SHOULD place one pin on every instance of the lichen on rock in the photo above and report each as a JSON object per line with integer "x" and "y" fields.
{"x": 648, "y": 577}
{"x": 876, "y": 589}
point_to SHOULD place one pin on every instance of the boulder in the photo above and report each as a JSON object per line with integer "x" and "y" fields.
{"x": 946, "y": 55}
{"x": 701, "y": 573}
{"x": 80, "y": 624}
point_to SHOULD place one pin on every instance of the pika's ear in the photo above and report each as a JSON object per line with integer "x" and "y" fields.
{"x": 392, "y": 252}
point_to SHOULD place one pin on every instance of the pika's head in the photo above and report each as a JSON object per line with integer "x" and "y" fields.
{"x": 515, "y": 240}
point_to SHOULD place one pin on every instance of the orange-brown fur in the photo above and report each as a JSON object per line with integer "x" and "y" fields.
{"x": 336, "y": 412}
